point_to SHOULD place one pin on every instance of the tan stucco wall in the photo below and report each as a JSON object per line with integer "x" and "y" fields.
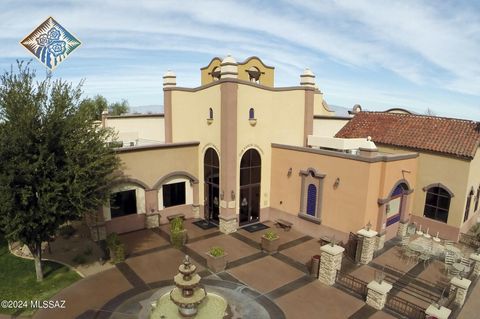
{"x": 350, "y": 206}
{"x": 280, "y": 119}
{"x": 267, "y": 78}
{"x": 149, "y": 166}
{"x": 328, "y": 127}
{"x": 149, "y": 128}
{"x": 205, "y": 77}
{"x": 318, "y": 107}
{"x": 190, "y": 111}
{"x": 436, "y": 168}
{"x": 473, "y": 181}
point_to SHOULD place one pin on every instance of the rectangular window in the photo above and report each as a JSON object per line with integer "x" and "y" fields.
{"x": 173, "y": 194}
{"x": 123, "y": 203}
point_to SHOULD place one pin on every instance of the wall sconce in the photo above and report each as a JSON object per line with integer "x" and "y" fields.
{"x": 221, "y": 195}
{"x": 368, "y": 226}
{"x": 289, "y": 173}
{"x": 232, "y": 195}
{"x": 337, "y": 182}
{"x": 191, "y": 182}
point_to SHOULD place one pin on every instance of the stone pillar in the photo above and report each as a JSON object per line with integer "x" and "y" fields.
{"x": 195, "y": 204}
{"x": 228, "y": 225}
{"x": 377, "y": 294}
{"x": 462, "y": 286}
{"x": 476, "y": 266}
{"x": 98, "y": 231}
{"x": 330, "y": 262}
{"x": 152, "y": 219}
{"x": 368, "y": 245}
{"x": 380, "y": 240}
{"x": 437, "y": 312}
{"x": 402, "y": 229}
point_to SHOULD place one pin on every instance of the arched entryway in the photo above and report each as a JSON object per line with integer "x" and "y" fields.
{"x": 211, "y": 175}
{"x": 250, "y": 178}
{"x": 395, "y": 209}
{"x": 395, "y": 205}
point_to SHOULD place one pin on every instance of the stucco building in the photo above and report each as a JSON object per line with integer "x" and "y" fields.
{"x": 237, "y": 150}
{"x": 448, "y": 180}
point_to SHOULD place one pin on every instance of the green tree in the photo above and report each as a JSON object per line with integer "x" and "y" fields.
{"x": 98, "y": 103}
{"x": 118, "y": 108}
{"x": 55, "y": 165}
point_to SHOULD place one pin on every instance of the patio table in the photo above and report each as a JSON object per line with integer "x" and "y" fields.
{"x": 461, "y": 268}
{"x": 454, "y": 250}
{"x": 416, "y": 247}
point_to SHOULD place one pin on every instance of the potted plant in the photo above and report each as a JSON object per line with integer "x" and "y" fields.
{"x": 270, "y": 242}
{"x": 216, "y": 260}
{"x": 115, "y": 248}
{"x": 178, "y": 234}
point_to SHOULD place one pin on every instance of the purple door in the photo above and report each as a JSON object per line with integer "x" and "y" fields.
{"x": 311, "y": 200}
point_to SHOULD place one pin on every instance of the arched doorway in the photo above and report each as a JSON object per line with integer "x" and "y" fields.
{"x": 395, "y": 205}
{"x": 250, "y": 178}
{"x": 211, "y": 175}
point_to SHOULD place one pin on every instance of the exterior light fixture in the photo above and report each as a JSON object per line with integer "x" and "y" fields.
{"x": 221, "y": 195}
{"x": 337, "y": 182}
{"x": 368, "y": 226}
{"x": 232, "y": 195}
{"x": 289, "y": 173}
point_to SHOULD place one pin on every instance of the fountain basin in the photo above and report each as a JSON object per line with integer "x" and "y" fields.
{"x": 212, "y": 307}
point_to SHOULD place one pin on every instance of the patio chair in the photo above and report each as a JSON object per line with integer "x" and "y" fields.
{"x": 425, "y": 258}
{"x": 449, "y": 260}
{"x": 410, "y": 255}
{"x": 465, "y": 261}
{"x": 405, "y": 241}
{"x": 452, "y": 271}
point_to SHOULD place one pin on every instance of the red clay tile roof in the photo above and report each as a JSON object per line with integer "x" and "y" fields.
{"x": 455, "y": 137}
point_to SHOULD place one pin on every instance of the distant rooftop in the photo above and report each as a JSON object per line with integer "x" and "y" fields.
{"x": 455, "y": 137}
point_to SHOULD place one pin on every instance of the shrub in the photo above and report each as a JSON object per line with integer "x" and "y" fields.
{"x": 118, "y": 254}
{"x": 88, "y": 250}
{"x": 270, "y": 235}
{"x": 112, "y": 240}
{"x": 79, "y": 259}
{"x": 176, "y": 224}
{"x": 66, "y": 231}
{"x": 217, "y": 251}
{"x": 116, "y": 248}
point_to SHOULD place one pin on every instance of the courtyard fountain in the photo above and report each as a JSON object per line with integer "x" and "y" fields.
{"x": 188, "y": 298}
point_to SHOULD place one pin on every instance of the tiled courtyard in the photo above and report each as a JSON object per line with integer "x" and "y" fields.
{"x": 282, "y": 277}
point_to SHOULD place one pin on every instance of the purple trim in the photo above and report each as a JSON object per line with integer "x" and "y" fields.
{"x": 393, "y": 220}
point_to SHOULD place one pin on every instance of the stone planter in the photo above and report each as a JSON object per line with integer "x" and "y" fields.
{"x": 270, "y": 245}
{"x": 216, "y": 264}
{"x": 179, "y": 239}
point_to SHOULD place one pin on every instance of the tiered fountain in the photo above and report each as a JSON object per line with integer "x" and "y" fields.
{"x": 187, "y": 295}
{"x": 188, "y": 299}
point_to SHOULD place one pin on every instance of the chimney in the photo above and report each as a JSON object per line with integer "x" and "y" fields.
{"x": 307, "y": 78}
{"x": 169, "y": 79}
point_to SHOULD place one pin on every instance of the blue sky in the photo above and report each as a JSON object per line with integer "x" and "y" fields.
{"x": 380, "y": 54}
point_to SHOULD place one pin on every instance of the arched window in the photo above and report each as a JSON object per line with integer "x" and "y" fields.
{"x": 395, "y": 207}
{"x": 437, "y": 203}
{"x": 211, "y": 177}
{"x": 251, "y": 114}
{"x": 254, "y": 74}
{"x": 399, "y": 190}
{"x": 312, "y": 200}
{"x": 210, "y": 113}
{"x": 477, "y": 198}
{"x": 467, "y": 206}
{"x": 216, "y": 73}
{"x": 250, "y": 178}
